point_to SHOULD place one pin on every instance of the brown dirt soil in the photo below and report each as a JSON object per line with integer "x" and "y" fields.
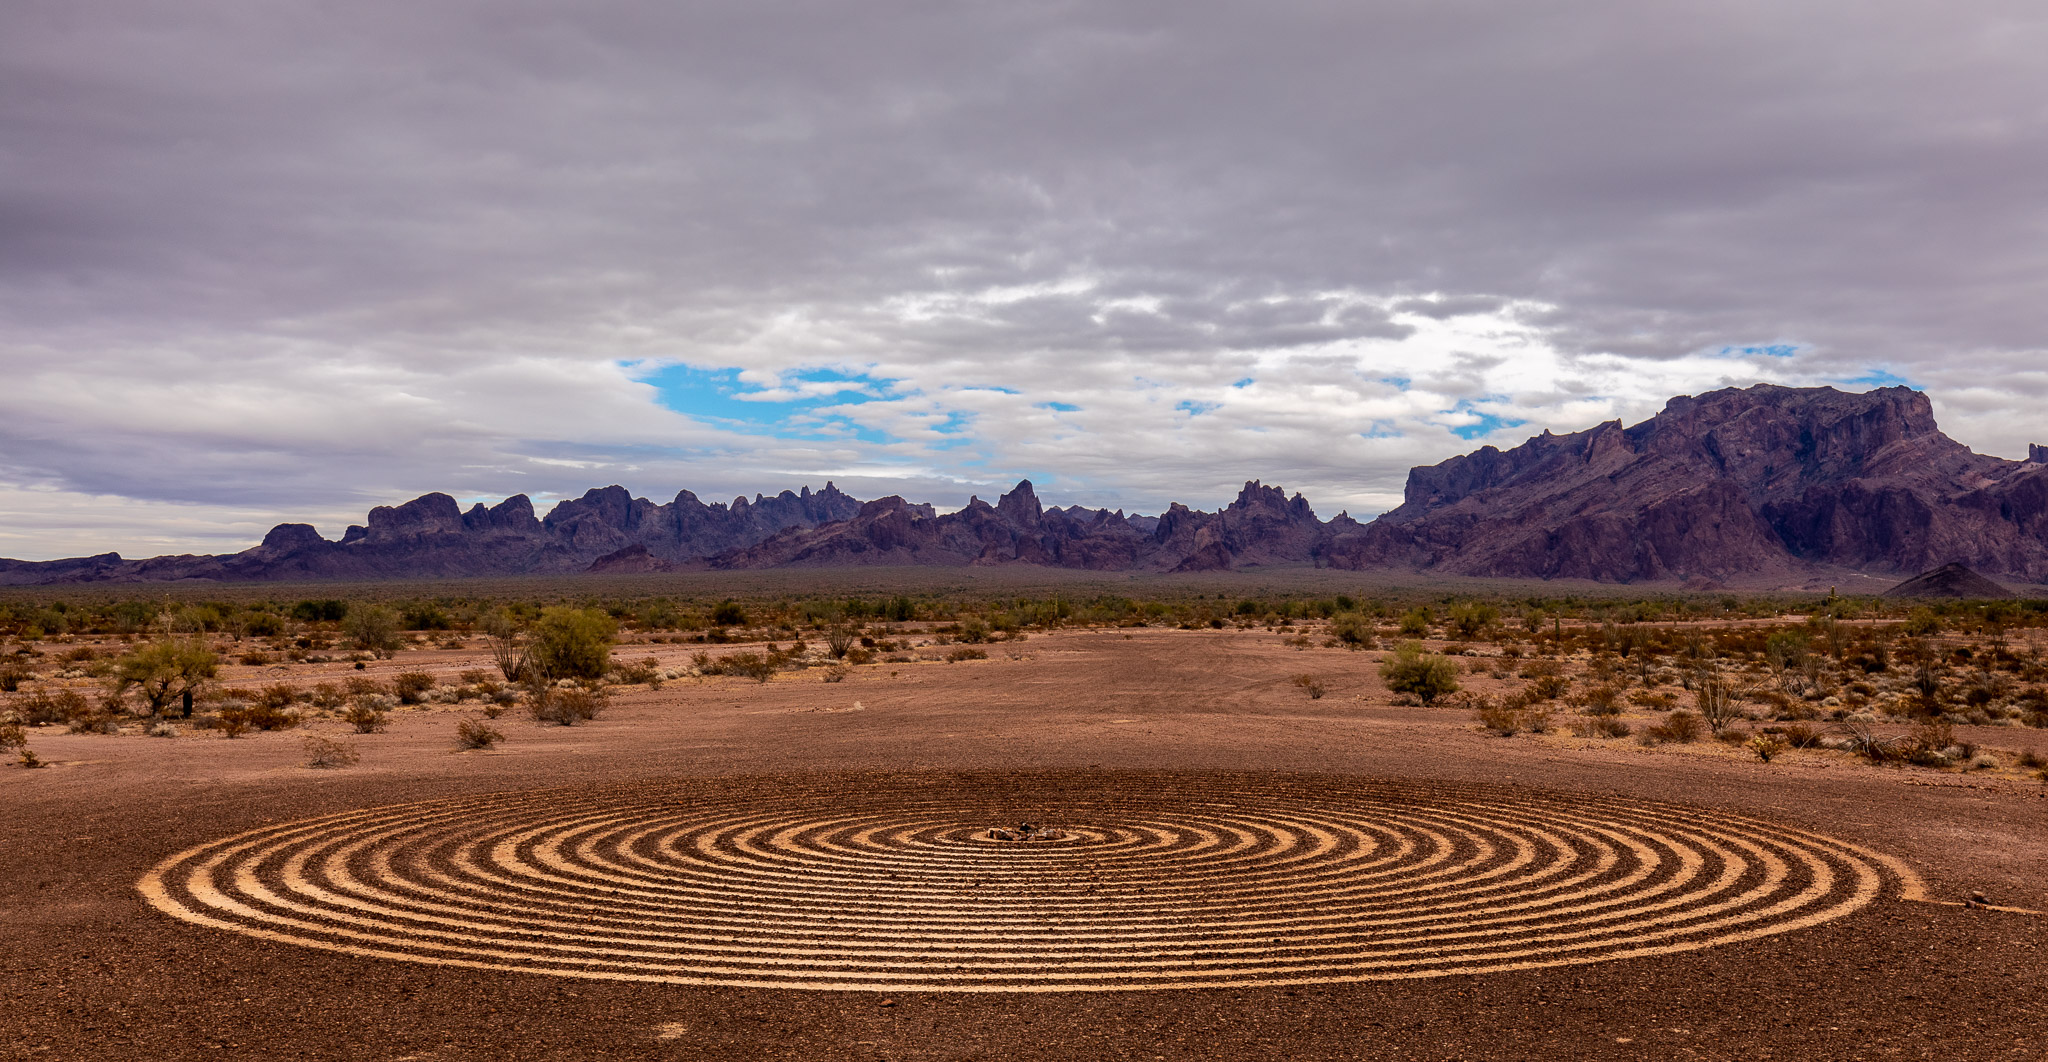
{"x": 91, "y": 970}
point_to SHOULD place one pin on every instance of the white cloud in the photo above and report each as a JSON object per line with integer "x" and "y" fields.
{"x": 286, "y": 261}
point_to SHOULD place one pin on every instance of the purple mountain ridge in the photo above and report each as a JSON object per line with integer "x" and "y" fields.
{"x": 1740, "y": 482}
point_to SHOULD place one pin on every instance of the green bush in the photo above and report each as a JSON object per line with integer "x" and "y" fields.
{"x": 164, "y": 671}
{"x": 1426, "y": 675}
{"x": 572, "y": 643}
{"x": 1415, "y": 622}
{"x": 373, "y": 629}
{"x": 1353, "y": 630}
{"x": 728, "y": 613}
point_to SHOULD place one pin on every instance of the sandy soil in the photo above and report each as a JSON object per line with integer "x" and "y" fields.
{"x": 92, "y": 971}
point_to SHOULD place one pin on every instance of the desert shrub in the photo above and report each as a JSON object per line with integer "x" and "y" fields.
{"x": 1352, "y": 631}
{"x": 1311, "y": 685}
{"x": 2031, "y": 759}
{"x": 1600, "y": 700}
{"x": 366, "y": 715}
{"x": 572, "y": 643}
{"x": 328, "y": 753}
{"x": 839, "y": 641}
{"x": 328, "y": 696}
{"x": 1920, "y": 623}
{"x": 746, "y": 665}
{"x": 1680, "y": 727}
{"x": 1602, "y": 726}
{"x": 239, "y": 717}
{"x": 1426, "y": 675}
{"x": 728, "y": 613}
{"x": 95, "y": 719}
{"x": 374, "y": 629}
{"x": 29, "y": 759}
{"x": 507, "y": 644}
{"x": 1766, "y": 746}
{"x": 165, "y": 670}
{"x": 1469, "y": 620}
{"x": 410, "y": 687}
{"x": 44, "y": 707}
{"x": 1653, "y": 700}
{"x": 1415, "y": 622}
{"x": 12, "y": 676}
{"x": 964, "y": 653}
{"x": 12, "y": 736}
{"x": 255, "y": 658}
{"x": 558, "y": 706}
{"x": 837, "y": 673}
{"x": 278, "y": 696}
{"x": 1508, "y": 718}
{"x": 475, "y": 734}
{"x": 1716, "y": 702}
{"x": 647, "y": 672}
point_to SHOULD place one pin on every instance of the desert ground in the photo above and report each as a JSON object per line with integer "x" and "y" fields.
{"x": 1815, "y": 906}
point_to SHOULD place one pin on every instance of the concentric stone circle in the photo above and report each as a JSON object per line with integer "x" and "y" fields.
{"x": 892, "y": 883}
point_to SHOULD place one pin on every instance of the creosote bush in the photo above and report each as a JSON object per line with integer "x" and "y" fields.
{"x": 1311, "y": 685}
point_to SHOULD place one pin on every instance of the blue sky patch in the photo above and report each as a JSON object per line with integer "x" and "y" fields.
{"x": 720, "y": 398}
{"x": 1768, "y": 350}
{"x": 1880, "y": 378}
{"x": 1195, "y": 409}
{"x": 1060, "y": 407}
{"x": 1486, "y": 424}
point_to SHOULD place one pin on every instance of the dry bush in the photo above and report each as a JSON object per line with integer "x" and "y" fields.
{"x": 410, "y": 687}
{"x": 328, "y": 696}
{"x": 44, "y": 707}
{"x": 1680, "y": 727}
{"x": 645, "y": 673}
{"x": 357, "y": 685}
{"x": 237, "y": 717}
{"x": 1599, "y": 700}
{"x": 1310, "y": 684}
{"x": 965, "y": 653}
{"x": 837, "y": 673}
{"x": 1766, "y": 746}
{"x": 1601, "y": 726}
{"x": 839, "y": 641}
{"x": 1508, "y": 718}
{"x": 327, "y": 753}
{"x": 746, "y": 665}
{"x": 366, "y": 715}
{"x": 1653, "y": 700}
{"x": 566, "y": 707}
{"x": 473, "y": 734}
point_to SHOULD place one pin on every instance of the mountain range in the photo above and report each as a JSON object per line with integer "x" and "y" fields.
{"x": 1737, "y": 483}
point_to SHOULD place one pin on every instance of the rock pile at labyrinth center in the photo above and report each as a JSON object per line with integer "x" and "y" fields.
{"x": 893, "y": 883}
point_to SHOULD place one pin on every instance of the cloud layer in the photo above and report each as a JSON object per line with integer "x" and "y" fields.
{"x": 288, "y": 260}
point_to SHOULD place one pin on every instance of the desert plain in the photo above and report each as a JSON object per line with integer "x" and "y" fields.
{"x": 1222, "y": 801}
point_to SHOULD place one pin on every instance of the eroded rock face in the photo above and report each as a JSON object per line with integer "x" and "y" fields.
{"x": 1735, "y": 482}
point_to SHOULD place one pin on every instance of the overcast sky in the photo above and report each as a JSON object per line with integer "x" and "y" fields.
{"x": 276, "y": 260}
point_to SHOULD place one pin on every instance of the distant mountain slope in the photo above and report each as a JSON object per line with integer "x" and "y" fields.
{"x": 1767, "y": 480}
{"x": 1733, "y": 482}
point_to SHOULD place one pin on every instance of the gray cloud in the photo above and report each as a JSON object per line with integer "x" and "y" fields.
{"x": 289, "y": 258}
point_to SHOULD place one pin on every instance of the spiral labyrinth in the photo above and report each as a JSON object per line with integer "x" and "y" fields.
{"x": 895, "y": 882}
